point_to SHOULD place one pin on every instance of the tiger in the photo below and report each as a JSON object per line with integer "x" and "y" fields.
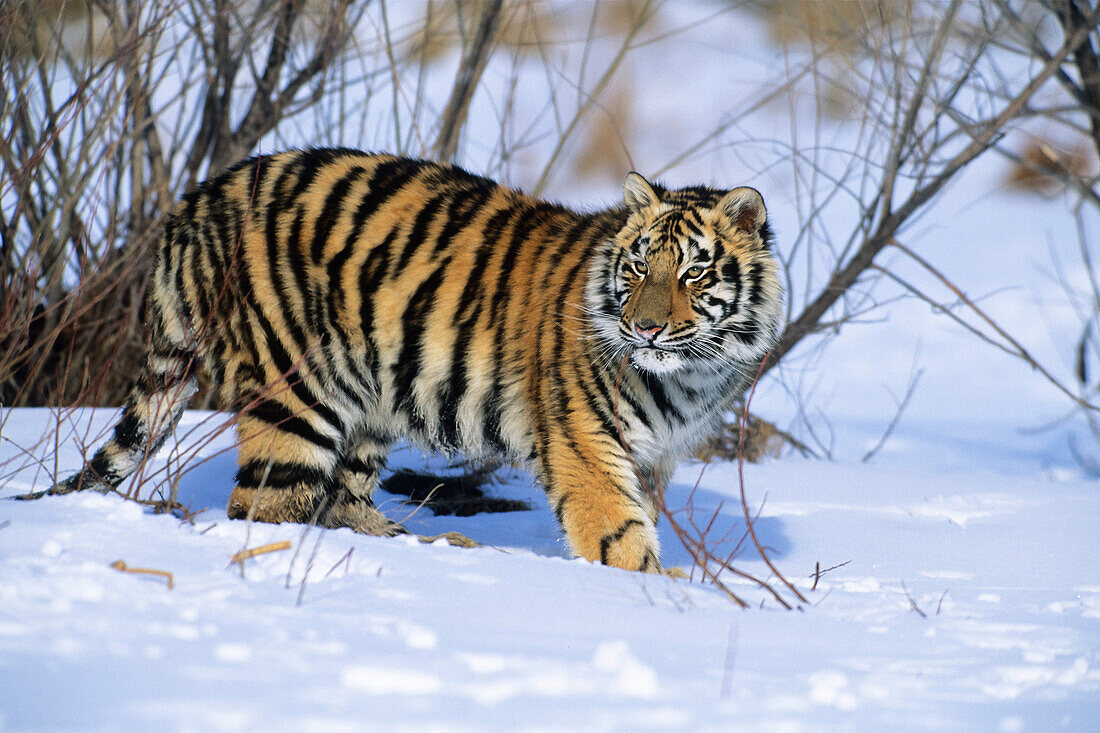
{"x": 340, "y": 301}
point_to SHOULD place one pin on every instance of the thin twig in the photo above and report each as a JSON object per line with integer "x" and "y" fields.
{"x": 744, "y": 501}
{"x": 1017, "y": 349}
{"x": 912, "y": 603}
{"x": 345, "y": 558}
{"x": 309, "y": 566}
{"x": 818, "y": 572}
{"x": 909, "y": 392}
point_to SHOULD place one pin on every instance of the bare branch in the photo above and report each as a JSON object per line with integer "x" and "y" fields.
{"x": 983, "y": 136}
{"x": 466, "y": 80}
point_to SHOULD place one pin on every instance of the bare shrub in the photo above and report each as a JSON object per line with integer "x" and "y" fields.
{"x": 100, "y": 137}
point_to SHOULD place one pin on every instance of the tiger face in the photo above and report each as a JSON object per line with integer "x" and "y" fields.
{"x": 691, "y": 280}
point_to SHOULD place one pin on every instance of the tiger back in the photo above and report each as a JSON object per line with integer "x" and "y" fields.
{"x": 342, "y": 301}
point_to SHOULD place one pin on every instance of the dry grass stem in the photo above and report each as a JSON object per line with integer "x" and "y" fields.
{"x": 123, "y": 567}
{"x": 243, "y": 555}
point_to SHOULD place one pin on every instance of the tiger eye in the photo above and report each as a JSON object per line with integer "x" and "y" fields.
{"x": 694, "y": 271}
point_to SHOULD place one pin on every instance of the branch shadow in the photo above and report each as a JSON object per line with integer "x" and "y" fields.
{"x": 720, "y": 519}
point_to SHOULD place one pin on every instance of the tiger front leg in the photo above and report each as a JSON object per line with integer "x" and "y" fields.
{"x": 605, "y": 514}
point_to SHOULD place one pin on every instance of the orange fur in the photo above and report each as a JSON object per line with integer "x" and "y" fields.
{"x": 342, "y": 301}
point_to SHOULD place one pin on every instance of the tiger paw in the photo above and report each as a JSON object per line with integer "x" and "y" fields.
{"x": 633, "y": 546}
{"x": 364, "y": 518}
{"x": 454, "y": 539}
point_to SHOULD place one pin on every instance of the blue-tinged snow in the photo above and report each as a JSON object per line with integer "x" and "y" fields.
{"x": 515, "y": 635}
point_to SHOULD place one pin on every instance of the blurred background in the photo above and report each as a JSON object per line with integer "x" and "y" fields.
{"x": 930, "y": 170}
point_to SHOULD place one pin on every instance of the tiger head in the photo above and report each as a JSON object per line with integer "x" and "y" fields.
{"x": 689, "y": 281}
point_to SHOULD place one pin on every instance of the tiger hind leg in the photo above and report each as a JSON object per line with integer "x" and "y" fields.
{"x": 294, "y": 467}
{"x": 287, "y": 462}
{"x": 356, "y": 479}
{"x": 290, "y": 471}
{"x": 153, "y": 408}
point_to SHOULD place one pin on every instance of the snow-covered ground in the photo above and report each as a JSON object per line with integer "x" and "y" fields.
{"x": 970, "y": 600}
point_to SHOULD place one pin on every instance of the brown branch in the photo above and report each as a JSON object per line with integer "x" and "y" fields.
{"x": 466, "y": 80}
{"x": 644, "y": 14}
{"x": 1074, "y": 21}
{"x": 267, "y": 107}
{"x": 744, "y": 500}
{"x": 222, "y": 67}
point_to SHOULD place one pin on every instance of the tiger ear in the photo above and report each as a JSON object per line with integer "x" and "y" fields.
{"x": 638, "y": 193}
{"x": 745, "y": 208}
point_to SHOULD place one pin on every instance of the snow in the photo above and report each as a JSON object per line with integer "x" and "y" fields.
{"x": 964, "y": 599}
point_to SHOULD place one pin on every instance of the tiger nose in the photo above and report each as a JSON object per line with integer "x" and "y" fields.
{"x": 647, "y": 329}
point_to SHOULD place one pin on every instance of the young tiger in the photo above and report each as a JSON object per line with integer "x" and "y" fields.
{"x": 343, "y": 300}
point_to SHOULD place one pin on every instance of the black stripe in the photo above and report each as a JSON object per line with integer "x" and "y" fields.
{"x": 335, "y": 204}
{"x": 387, "y": 179}
{"x": 756, "y": 294}
{"x": 559, "y": 510}
{"x": 692, "y": 228}
{"x": 245, "y": 338}
{"x": 287, "y": 367}
{"x": 464, "y": 208}
{"x": 283, "y": 419}
{"x": 409, "y": 362}
{"x": 355, "y": 465}
{"x": 273, "y": 474}
{"x": 370, "y": 276}
{"x": 748, "y": 333}
{"x": 335, "y": 267}
{"x": 101, "y": 468}
{"x": 599, "y": 401}
{"x": 178, "y": 249}
{"x": 280, "y": 356}
{"x": 605, "y": 543}
{"x": 207, "y": 283}
{"x": 665, "y": 406}
{"x": 299, "y": 271}
{"x": 627, "y": 395}
{"x": 419, "y": 230}
{"x": 698, "y": 309}
{"x": 473, "y": 294}
{"x": 574, "y": 234}
{"x": 731, "y": 273}
{"x": 529, "y": 218}
{"x": 486, "y": 246}
{"x": 130, "y": 432}
{"x": 150, "y": 383}
{"x": 278, "y": 252}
